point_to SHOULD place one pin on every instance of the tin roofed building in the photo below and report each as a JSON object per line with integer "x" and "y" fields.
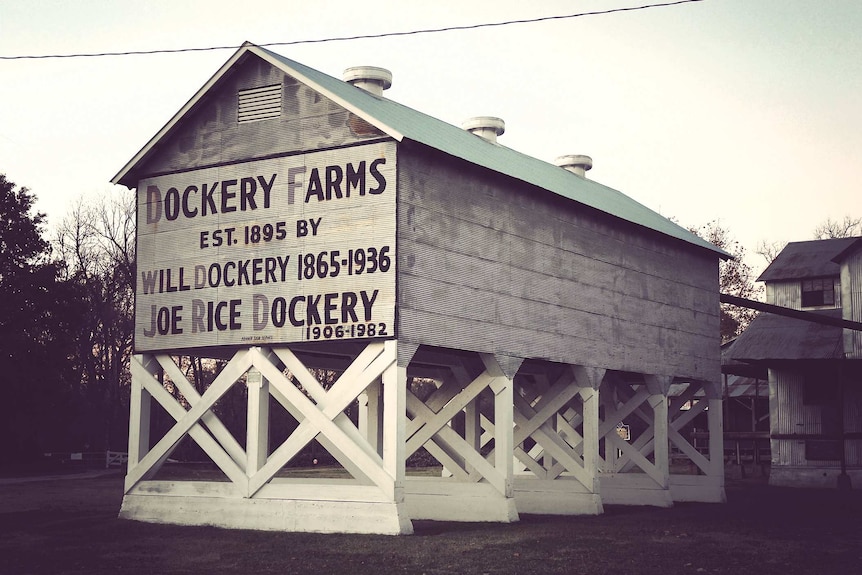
{"x": 290, "y": 221}
{"x": 814, "y": 368}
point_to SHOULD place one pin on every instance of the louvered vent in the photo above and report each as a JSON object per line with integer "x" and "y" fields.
{"x": 259, "y": 103}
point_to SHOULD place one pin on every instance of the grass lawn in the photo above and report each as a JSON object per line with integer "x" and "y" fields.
{"x": 70, "y": 526}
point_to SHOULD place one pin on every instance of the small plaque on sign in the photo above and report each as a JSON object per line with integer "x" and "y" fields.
{"x": 624, "y": 431}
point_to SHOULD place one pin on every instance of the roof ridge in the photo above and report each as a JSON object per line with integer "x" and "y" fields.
{"x": 400, "y": 121}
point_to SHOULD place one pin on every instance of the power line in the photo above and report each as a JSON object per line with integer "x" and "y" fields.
{"x": 358, "y": 37}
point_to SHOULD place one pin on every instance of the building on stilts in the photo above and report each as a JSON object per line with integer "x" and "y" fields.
{"x": 291, "y": 222}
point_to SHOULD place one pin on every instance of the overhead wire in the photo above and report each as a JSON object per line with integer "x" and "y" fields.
{"x": 357, "y": 37}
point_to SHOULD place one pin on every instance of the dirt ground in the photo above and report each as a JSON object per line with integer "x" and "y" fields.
{"x": 70, "y": 525}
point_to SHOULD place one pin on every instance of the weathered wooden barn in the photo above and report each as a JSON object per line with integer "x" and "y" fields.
{"x": 289, "y": 220}
{"x": 814, "y": 369}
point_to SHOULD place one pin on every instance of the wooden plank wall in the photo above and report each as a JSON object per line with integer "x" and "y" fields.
{"x": 212, "y": 136}
{"x": 788, "y": 293}
{"x": 490, "y": 264}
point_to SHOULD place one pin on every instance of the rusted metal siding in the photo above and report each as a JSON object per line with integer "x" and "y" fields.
{"x": 851, "y": 281}
{"x": 789, "y": 416}
{"x": 853, "y": 423}
{"x": 797, "y": 427}
{"x": 491, "y": 265}
{"x": 785, "y": 406}
{"x": 211, "y": 134}
{"x": 853, "y": 408}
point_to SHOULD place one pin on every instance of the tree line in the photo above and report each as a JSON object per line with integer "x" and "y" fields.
{"x": 737, "y": 277}
{"x": 66, "y": 324}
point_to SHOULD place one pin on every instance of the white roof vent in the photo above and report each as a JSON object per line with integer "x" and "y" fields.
{"x": 487, "y": 127}
{"x": 369, "y": 78}
{"x": 258, "y": 103}
{"x": 575, "y": 163}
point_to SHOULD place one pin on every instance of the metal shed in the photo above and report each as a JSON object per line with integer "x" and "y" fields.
{"x": 811, "y": 356}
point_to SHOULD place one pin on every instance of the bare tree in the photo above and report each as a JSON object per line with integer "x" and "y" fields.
{"x": 846, "y": 228}
{"x": 735, "y": 277}
{"x": 769, "y": 250}
{"x": 829, "y": 229}
{"x": 96, "y": 244}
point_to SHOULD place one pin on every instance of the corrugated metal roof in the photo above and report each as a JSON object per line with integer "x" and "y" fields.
{"x": 855, "y": 245}
{"x": 771, "y": 337}
{"x": 737, "y": 386}
{"x": 399, "y": 122}
{"x": 809, "y": 259}
{"x": 734, "y": 368}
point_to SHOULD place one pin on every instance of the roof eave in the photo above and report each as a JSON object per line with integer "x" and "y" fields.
{"x": 848, "y": 250}
{"x": 126, "y": 175}
{"x": 311, "y": 83}
{"x": 122, "y": 176}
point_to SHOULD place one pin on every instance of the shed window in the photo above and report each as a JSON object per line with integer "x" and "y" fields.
{"x": 819, "y": 388}
{"x": 818, "y": 292}
{"x": 259, "y": 103}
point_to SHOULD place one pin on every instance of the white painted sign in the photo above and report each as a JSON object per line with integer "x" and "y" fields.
{"x": 296, "y": 248}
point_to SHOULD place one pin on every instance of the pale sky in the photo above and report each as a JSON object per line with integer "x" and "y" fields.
{"x": 745, "y": 111}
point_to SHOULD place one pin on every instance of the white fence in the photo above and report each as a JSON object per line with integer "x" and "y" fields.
{"x": 92, "y": 459}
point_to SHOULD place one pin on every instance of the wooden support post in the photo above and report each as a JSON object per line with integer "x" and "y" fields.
{"x": 502, "y": 370}
{"x": 660, "y": 426}
{"x": 590, "y": 381}
{"x": 362, "y": 417}
{"x": 257, "y": 425}
{"x": 547, "y": 460}
{"x": 590, "y": 402}
{"x": 503, "y": 432}
{"x": 369, "y": 416}
{"x": 374, "y": 431}
{"x": 394, "y": 423}
{"x": 139, "y": 413}
{"x": 472, "y": 428}
{"x": 608, "y": 400}
{"x": 716, "y": 440}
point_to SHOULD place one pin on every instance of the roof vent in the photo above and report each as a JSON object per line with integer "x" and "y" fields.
{"x": 576, "y": 164}
{"x": 487, "y": 127}
{"x": 259, "y": 103}
{"x": 369, "y": 78}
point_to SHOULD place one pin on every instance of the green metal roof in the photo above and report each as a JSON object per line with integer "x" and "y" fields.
{"x": 400, "y": 122}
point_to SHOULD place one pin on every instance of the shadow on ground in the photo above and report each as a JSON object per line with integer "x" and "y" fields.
{"x": 70, "y": 526}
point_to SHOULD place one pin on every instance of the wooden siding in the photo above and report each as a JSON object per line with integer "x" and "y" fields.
{"x": 211, "y": 134}
{"x": 789, "y": 294}
{"x": 486, "y": 264}
{"x": 784, "y": 293}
